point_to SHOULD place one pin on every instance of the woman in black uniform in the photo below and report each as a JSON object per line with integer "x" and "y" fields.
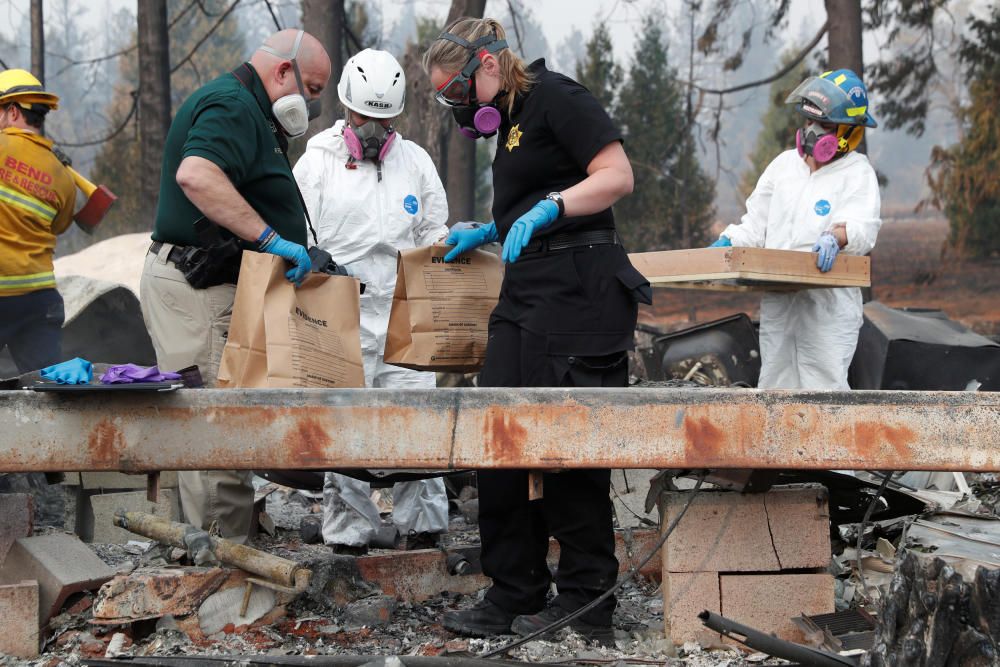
{"x": 565, "y": 318}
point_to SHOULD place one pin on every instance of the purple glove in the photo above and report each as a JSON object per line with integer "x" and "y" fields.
{"x": 129, "y": 373}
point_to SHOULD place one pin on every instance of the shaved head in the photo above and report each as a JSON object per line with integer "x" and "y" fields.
{"x": 272, "y": 61}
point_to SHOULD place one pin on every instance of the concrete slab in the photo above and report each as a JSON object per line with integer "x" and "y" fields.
{"x": 118, "y": 481}
{"x": 60, "y": 563}
{"x": 19, "y": 611}
{"x": 628, "y": 495}
{"x": 17, "y": 519}
{"x": 768, "y": 602}
{"x": 106, "y": 505}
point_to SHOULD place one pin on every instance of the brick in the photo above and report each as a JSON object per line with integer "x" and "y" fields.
{"x": 685, "y": 595}
{"x": 721, "y": 532}
{"x": 17, "y": 519}
{"x": 768, "y": 602}
{"x": 106, "y": 505}
{"x": 799, "y": 518}
{"x": 787, "y": 528}
{"x": 60, "y": 563}
{"x": 19, "y": 611}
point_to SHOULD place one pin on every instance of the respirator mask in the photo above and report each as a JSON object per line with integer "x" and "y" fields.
{"x": 481, "y": 120}
{"x": 474, "y": 119}
{"x": 815, "y": 141}
{"x": 293, "y": 112}
{"x": 370, "y": 141}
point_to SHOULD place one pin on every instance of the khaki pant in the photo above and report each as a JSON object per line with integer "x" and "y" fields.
{"x": 189, "y": 326}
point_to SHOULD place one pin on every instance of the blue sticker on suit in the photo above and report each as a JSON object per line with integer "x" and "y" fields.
{"x": 822, "y": 207}
{"x": 410, "y": 204}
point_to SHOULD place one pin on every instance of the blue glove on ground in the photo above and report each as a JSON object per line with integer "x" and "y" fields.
{"x": 271, "y": 242}
{"x": 723, "y": 242}
{"x": 466, "y": 236}
{"x": 74, "y": 371}
{"x": 827, "y": 247}
{"x": 539, "y": 217}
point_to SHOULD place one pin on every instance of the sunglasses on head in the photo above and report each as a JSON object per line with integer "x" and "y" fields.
{"x": 460, "y": 89}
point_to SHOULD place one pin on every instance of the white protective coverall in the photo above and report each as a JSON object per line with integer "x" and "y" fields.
{"x": 807, "y": 338}
{"x": 362, "y": 222}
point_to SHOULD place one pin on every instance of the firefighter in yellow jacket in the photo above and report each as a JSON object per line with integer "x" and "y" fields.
{"x": 37, "y": 195}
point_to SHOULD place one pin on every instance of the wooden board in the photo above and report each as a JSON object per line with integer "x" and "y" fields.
{"x": 749, "y": 269}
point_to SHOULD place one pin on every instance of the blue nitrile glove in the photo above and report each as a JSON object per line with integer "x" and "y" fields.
{"x": 74, "y": 371}
{"x": 723, "y": 242}
{"x": 827, "y": 247}
{"x": 466, "y": 236}
{"x": 539, "y": 217}
{"x": 271, "y": 242}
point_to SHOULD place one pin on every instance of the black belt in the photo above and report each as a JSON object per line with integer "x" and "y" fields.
{"x": 175, "y": 253}
{"x": 564, "y": 240}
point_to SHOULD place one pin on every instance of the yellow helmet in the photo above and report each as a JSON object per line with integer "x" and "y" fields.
{"x": 21, "y": 87}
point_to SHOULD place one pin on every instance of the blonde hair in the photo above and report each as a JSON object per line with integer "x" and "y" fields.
{"x": 451, "y": 57}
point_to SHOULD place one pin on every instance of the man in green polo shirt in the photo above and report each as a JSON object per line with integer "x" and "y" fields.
{"x": 224, "y": 162}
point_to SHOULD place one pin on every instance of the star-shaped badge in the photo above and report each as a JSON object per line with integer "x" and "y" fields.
{"x": 514, "y": 137}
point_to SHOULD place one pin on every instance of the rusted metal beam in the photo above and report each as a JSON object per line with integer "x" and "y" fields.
{"x": 500, "y": 428}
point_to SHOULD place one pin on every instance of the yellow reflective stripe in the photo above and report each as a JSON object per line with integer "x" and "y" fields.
{"x": 27, "y": 203}
{"x": 826, "y": 74}
{"x": 44, "y": 279}
{"x": 840, "y": 79}
{"x": 856, "y": 111}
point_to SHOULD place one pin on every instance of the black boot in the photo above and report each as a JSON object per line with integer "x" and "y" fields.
{"x": 531, "y": 623}
{"x": 484, "y": 619}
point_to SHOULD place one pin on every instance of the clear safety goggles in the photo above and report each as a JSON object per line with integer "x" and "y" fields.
{"x": 460, "y": 89}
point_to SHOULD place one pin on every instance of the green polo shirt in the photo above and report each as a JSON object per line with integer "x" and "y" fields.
{"x": 230, "y": 125}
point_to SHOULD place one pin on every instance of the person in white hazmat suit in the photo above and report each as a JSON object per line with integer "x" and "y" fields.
{"x": 372, "y": 193}
{"x": 821, "y": 197}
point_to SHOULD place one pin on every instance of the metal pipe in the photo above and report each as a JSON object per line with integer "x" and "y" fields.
{"x": 317, "y": 429}
{"x": 267, "y": 566}
{"x": 779, "y": 648}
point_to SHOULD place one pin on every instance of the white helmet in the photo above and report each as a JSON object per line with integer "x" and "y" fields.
{"x": 373, "y": 84}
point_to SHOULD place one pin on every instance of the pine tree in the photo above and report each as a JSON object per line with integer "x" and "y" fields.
{"x": 671, "y": 204}
{"x": 598, "y": 71}
{"x": 963, "y": 178}
{"x": 778, "y": 125}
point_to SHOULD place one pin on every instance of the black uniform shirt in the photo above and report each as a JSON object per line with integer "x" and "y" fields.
{"x": 545, "y": 145}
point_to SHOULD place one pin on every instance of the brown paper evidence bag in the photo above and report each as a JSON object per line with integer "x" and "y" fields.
{"x": 283, "y": 336}
{"x": 440, "y": 312}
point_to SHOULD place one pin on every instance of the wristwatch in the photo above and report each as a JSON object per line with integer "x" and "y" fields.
{"x": 558, "y": 199}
